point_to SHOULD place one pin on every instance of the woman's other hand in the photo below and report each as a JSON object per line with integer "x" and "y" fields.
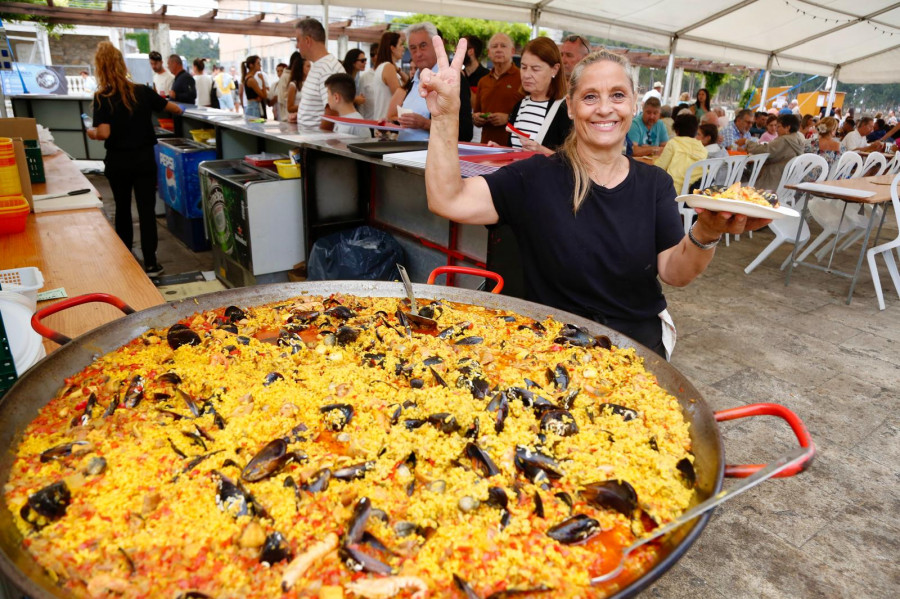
{"x": 441, "y": 89}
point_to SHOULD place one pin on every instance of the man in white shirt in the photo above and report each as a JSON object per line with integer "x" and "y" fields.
{"x": 162, "y": 79}
{"x": 314, "y": 95}
{"x": 856, "y": 140}
{"x": 656, "y": 92}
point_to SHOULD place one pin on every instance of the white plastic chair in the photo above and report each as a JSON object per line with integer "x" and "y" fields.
{"x": 709, "y": 168}
{"x": 893, "y": 167}
{"x": 785, "y": 229}
{"x": 831, "y": 214}
{"x": 887, "y": 250}
{"x": 872, "y": 160}
{"x": 755, "y": 163}
{"x": 729, "y": 173}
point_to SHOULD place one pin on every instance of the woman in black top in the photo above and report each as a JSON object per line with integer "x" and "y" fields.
{"x": 122, "y": 118}
{"x": 255, "y": 92}
{"x": 595, "y": 228}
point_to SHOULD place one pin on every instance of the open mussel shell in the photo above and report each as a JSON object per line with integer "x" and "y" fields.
{"x": 769, "y": 196}
{"x": 574, "y": 530}
{"x": 712, "y": 190}
{"x": 179, "y": 335}
{"x": 269, "y": 460}
{"x": 615, "y": 495}
{"x": 234, "y": 314}
{"x": 560, "y": 422}
{"x": 275, "y": 549}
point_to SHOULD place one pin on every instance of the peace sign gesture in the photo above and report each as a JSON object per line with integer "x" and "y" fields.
{"x": 441, "y": 89}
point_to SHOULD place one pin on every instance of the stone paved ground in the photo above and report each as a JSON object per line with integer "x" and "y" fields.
{"x": 831, "y": 531}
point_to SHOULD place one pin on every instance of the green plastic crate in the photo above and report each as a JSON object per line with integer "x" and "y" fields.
{"x": 35, "y": 161}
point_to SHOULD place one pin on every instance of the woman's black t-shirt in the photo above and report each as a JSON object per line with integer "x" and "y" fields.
{"x": 601, "y": 262}
{"x": 133, "y": 130}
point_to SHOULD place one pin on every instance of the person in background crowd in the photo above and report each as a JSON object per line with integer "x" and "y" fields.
{"x": 341, "y": 92}
{"x": 807, "y": 126}
{"x": 472, "y": 66}
{"x": 237, "y": 92}
{"x": 373, "y": 52}
{"x": 711, "y": 118}
{"x": 759, "y": 124}
{"x": 88, "y": 82}
{"x": 224, "y": 88}
{"x": 574, "y": 49}
{"x": 721, "y": 119}
{"x": 386, "y": 79}
{"x": 771, "y": 129}
{"x": 541, "y": 115}
{"x": 825, "y": 144}
{"x": 787, "y": 145}
{"x": 701, "y": 105}
{"x": 183, "y": 89}
{"x": 255, "y": 93}
{"x": 879, "y": 131}
{"x": 122, "y": 113}
{"x": 277, "y": 94}
{"x": 646, "y": 132}
{"x": 498, "y": 91}
{"x": 737, "y": 133}
{"x": 162, "y": 79}
{"x": 856, "y": 140}
{"x": 202, "y": 83}
{"x": 682, "y": 151}
{"x": 299, "y": 70}
{"x": 653, "y": 92}
{"x": 708, "y": 134}
{"x": 417, "y": 124}
{"x": 311, "y": 42}
{"x": 596, "y": 230}
{"x": 665, "y": 117}
{"x": 847, "y": 125}
{"x": 779, "y": 102}
{"x": 355, "y": 64}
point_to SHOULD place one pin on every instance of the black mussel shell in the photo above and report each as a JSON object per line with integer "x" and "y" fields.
{"x": 61, "y": 451}
{"x": 353, "y": 472}
{"x": 346, "y": 411}
{"x": 538, "y": 505}
{"x": 179, "y": 335}
{"x": 464, "y": 588}
{"x": 372, "y": 359}
{"x": 416, "y": 383}
{"x": 615, "y": 495}
{"x": 189, "y": 402}
{"x": 243, "y": 340}
{"x": 412, "y": 424}
{"x": 433, "y": 361}
{"x": 577, "y": 336}
{"x": 627, "y": 414}
{"x": 770, "y": 197}
{"x": 269, "y": 460}
{"x": 357, "y": 524}
{"x": 530, "y": 461}
{"x": 358, "y": 561}
{"x": 567, "y": 401}
{"x": 444, "y": 422}
{"x": 306, "y": 316}
{"x": 234, "y": 314}
{"x": 565, "y": 498}
{"x": 275, "y": 549}
{"x": 574, "y": 530}
{"x": 686, "y": 468}
{"x": 272, "y": 377}
{"x": 346, "y": 335}
{"x": 340, "y": 312}
{"x": 228, "y": 327}
{"x": 232, "y": 498}
{"x": 473, "y": 340}
{"x": 135, "y": 392}
{"x": 49, "y": 503}
{"x": 169, "y": 377}
{"x": 482, "y": 460}
{"x": 497, "y": 497}
{"x": 318, "y": 481}
{"x": 192, "y": 595}
{"x": 440, "y": 380}
{"x": 559, "y": 376}
{"x": 560, "y": 422}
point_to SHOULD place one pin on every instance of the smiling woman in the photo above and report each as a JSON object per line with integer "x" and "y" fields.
{"x": 595, "y": 228}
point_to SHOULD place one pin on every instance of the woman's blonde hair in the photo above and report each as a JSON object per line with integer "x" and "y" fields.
{"x": 827, "y": 126}
{"x": 569, "y": 149}
{"x": 112, "y": 76}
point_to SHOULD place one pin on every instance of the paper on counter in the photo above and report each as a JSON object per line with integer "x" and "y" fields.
{"x": 87, "y": 200}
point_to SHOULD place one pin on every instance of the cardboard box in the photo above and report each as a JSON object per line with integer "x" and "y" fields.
{"x": 22, "y": 165}
{"x": 19, "y": 127}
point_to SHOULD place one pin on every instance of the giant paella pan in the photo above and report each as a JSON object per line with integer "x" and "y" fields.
{"x": 325, "y": 439}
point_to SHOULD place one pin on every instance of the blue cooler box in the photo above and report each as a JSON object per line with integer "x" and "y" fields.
{"x": 178, "y": 178}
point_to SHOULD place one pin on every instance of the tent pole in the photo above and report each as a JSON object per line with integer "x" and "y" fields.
{"x": 535, "y": 22}
{"x": 669, "y": 68}
{"x": 833, "y": 90}
{"x": 765, "y": 87}
{"x": 325, "y": 18}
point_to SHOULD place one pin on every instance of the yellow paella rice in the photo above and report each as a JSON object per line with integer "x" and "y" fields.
{"x": 330, "y": 447}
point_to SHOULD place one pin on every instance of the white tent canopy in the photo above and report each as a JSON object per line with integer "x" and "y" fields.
{"x": 861, "y": 37}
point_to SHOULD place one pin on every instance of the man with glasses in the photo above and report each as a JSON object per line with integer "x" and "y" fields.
{"x": 574, "y": 48}
{"x": 736, "y": 133}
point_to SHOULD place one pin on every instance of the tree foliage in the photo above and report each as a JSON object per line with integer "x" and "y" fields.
{"x": 142, "y": 38}
{"x": 453, "y": 28}
{"x": 714, "y": 81}
{"x": 197, "y": 46}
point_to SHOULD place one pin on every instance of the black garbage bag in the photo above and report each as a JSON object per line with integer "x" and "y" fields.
{"x": 363, "y": 253}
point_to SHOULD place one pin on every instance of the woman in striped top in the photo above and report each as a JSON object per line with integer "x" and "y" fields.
{"x": 542, "y": 114}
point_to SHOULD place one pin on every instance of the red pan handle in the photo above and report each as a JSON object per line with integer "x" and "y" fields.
{"x": 45, "y": 331}
{"x": 769, "y": 409}
{"x": 465, "y": 270}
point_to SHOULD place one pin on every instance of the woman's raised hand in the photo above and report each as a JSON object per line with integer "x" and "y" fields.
{"x": 441, "y": 89}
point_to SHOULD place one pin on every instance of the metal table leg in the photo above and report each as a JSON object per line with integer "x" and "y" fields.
{"x": 837, "y": 235}
{"x": 862, "y": 250}
{"x": 803, "y": 212}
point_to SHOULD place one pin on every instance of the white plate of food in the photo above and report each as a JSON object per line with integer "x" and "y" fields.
{"x": 753, "y": 203}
